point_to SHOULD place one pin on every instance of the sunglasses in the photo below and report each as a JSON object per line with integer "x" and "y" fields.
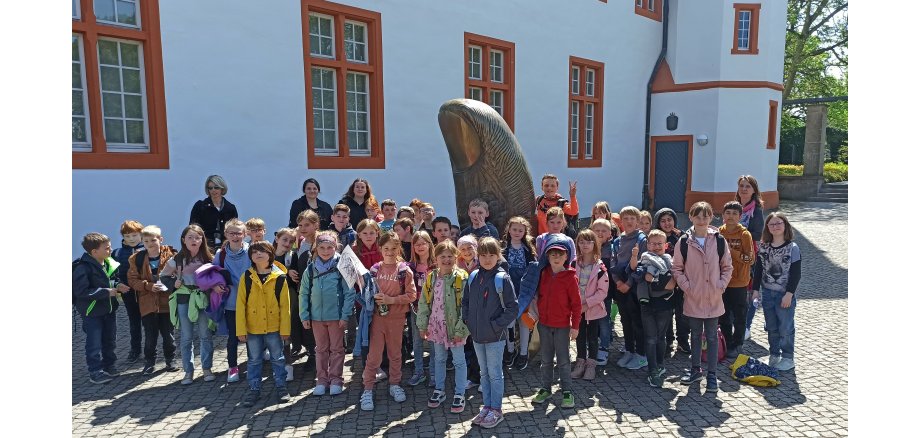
{"x": 214, "y": 188}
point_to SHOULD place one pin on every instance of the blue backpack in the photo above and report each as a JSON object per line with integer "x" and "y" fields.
{"x": 499, "y": 284}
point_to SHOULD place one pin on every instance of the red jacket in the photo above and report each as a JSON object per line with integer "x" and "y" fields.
{"x": 368, "y": 256}
{"x": 558, "y": 299}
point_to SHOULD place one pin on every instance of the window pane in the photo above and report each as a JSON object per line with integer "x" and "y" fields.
{"x": 78, "y": 129}
{"x": 496, "y": 100}
{"x": 104, "y": 9}
{"x": 114, "y": 131}
{"x": 589, "y": 130}
{"x": 74, "y": 9}
{"x": 111, "y": 104}
{"x": 135, "y": 132}
{"x": 475, "y": 63}
{"x": 495, "y": 64}
{"x": 76, "y": 76}
{"x": 314, "y": 25}
{"x": 134, "y": 107}
{"x": 589, "y": 82}
{"x": 330, "y": 140}
{"x": 78, "y": 124}
{"x": 122, "y": 92}
{"x": 575, "y": 74}
{"x": 127, "y": 12}
{"x": 349, "y": 31}
{"x": 475, "y": 93}
{"x": 110, "y": 79}
{"x": 76, "y": 102}
{"x": 321, "y": 35}
{"x": 132, "y": 80}
{"x": 108, "y": 52}
{"x": 75, "y": 48}
{"x": 129, "y": 56}
{"x": 573, "y": 135}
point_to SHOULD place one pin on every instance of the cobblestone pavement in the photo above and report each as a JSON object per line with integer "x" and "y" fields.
{"x": 811, "y": 401}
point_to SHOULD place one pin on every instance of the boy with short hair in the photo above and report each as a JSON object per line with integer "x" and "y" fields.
{"x": 479, "y": 225}
{"x": 406, "y": 211}
{"x": 741, "y": 244}
{"x": 551, "y": 198}
{"x": 427, "y": 212}
{"x": 130, "y": 244}
{"x": 234, "y": 258}
{"x": 403, "y": 229}
{"x": 627, "y": 300}
{"x": 255, "y": 229}
{"x": 341, "y": 215}
{"x": 308, "y": 225}
{"x": 95, "y": 287}
{"x": 153, "y": 297}
{"x": 441, "y": 226}
{"x": 655, "y": 288}
{"x": 389, "y": 215}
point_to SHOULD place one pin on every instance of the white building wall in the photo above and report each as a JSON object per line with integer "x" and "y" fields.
{"x": 235, "y": 105}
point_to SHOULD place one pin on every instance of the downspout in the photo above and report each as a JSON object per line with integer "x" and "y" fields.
{"x": 646, "y": 201}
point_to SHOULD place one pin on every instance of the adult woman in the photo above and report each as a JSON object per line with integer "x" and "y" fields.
{"x": 213, "y": 212}
{"x": 309, "y": 201}
{"x": 356, "y": 199}
{"x": 748, "y": 195}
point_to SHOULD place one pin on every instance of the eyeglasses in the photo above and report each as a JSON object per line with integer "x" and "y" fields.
{"x": 214, "y": 188}
{"x": 233, "y": 233}
{"x": 775, "y": 224}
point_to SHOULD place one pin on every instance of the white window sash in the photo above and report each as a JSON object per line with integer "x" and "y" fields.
{"x": 320, "y": 36}
{"x": 497, "y": 96}
{"x": 474, "y": 66}
{"x": 576, "y": 72}
{"x": 744, "y": 30}
{"x": 358, "y": 45}
{"x": 320, "y": 132}
{"x": 137, "y": 11}
{"x": 359, "y": 112}
{"x": 475, "y": 93}
{"x": 573, "y": 132}
{"x": 590, "y": 75}
{"x": 126, "y": 147}
{"x": 87, "y": 145}
{"x": 496, "y": 66}
{"x": 589, "y": 131}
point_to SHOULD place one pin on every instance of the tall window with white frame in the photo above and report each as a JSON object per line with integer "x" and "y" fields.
{"x": 489, "y": 74}
{"x": 121, "y": 79}
{"x": 744, "y": 30}
{"x": 747, "y": 23}
{"x": 79, "y": 108}
{"x": 585, "y": 112}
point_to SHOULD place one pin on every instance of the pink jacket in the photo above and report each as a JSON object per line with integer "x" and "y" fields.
{"x": 592, "y": 298}
{"x": 702, "y": 276}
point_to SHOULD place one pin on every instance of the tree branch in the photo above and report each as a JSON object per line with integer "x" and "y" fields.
{"x": 831, "y": 15}
{"x": 819, "y": 51}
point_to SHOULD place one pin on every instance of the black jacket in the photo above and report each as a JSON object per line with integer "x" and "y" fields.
{"x": 212, "y": 220}
{"x": 357, "y": 210}
{"x": 323, "y": 210}
{"x": 91, "y": 288}
{"x": 121, "y": 255}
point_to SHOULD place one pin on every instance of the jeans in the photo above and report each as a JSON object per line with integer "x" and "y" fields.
{"x": 605, "y": 327}
{"x": 440, "y": 367}
{"x": 233, "y": 342}
{"x": 586, "y": 343}
{"x": 733, "y": 320}
{"x": 158, "y": 324}
{"x": 187, "y": 331}
{"x": 100, "y": 342}
{"x": 655, "y": 324}
{"x": 255, "y": 345}
{"x": 696, "y": 342}
{"x": 780, "y": 323}
{"x": 555, "y": 342}
{"x": 489, "y": 357}
{"x": 134, "y": 319}
{"x": 418, "y": 346}
{"x": 631, "y": 318}
{"x": 523, "y": 337}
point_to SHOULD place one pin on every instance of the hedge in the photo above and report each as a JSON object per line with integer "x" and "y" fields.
{"x": 833, "y": 172}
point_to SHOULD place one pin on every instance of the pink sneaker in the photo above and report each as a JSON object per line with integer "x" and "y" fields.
{"x": 481, "y": 416}
{"x": 492, "y": 419}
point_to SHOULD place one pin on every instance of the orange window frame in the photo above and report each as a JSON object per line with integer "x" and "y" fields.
{"x": 149, "y": 37}
{"x": 488, "y": 44}
{"x": 581, "y": 98}
{"x": 373, "y": 68}
{"x": 771, "y": 134}
{"x": 649, "y": 9}
{"x": 754, "y": 9}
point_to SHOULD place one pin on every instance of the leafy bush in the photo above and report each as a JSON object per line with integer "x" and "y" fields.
{"x": 791, "y": 169}
{"x": 833, "y": 172}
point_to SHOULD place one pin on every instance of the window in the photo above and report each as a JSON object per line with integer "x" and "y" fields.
{"x": 118, "y": 108}
{"x": 747, "y": 24}
{"x": 344, "y": 76}
{"x": 493, "y": 85}
{"x": 586, "y": 100}
{"x": 649, "y": 8}
{"x": 771, "y": 126}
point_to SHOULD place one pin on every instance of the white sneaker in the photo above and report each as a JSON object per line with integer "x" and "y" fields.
{"x": 785, "y": 364}
{"x": 367, "y": 400}
{"x": 319, "y": 390}
{"x": 267, "y": 356}
{"x": 747, "y": 334}
{"x": 398, "y": 394}
{"x": 381, "y": 375}
{"x": 774, "y": 360}
{"x": 290, "y": 373}
{"x": 335, "y": 389}
{"x": 601, "y": 357}
{"x": 624, "y": 359}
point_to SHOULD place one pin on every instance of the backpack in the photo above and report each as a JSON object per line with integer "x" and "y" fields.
{"x": 720, "y": 340}
{"x": 310, "y": 268}
{"x": 429, "y": 285}
{"x": 571, "y": 226}
{"x": 279, "y": 284}
{"x": 499, "y": 284}
{"x": 720, "y": 245}
{"x": 754, "y": 372}
{"x": 400, "y": 274}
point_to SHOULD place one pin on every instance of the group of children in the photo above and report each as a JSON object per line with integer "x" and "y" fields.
{"x": 475, "y": 296}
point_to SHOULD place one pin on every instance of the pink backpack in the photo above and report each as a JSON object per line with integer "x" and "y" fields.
{"x": 721, "y": 341}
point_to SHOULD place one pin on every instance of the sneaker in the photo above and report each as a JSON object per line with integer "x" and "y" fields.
{"x": 683, "y": 347}
{"x": 602, "y": 357}
{"x": 189, "y": 377}
{"x": 367, "y": 400}
{"x": 335, "y": 389}
{"x": 437, "y": 397}
{"x": 417, "y": 378}
{"x": 568, "y": 400}
{"x": 624, "y": 359}
{"x": 785, "y": 364}
{"x": 469, "y": 385}
{"x": 233, "y": 375}
{"x": 747, "y": 334}
{"x": 481, "y": 415}
{"x": 692, "y": 375}
{"x": 774, "y": 360}
{"x": 398, "y": 394}
{"x": 170, "y": 367}
{"x": 267, "y": 356}
{"x": 290, "y": 373}
{"x": 133, "y": 356}
{"x": 712, "y": 384}
{"x": 622, "y": 349}
{"x": 459, "y": 404}
{"x": 99, "y": 377}
{"x": 208, "y": 376}
{"x": 110, "y": 371}
{"x": 655, "y": 381}
{"x": 542, "y": 395}
{"x": 380, "y": 376}
{"x": 148, "y": 370}
{"x": 252, "y": 397}
{"x": 637, "y": 362}
{"x": 521, "y": 362}
{"x": 660, "y": 372}
{"x": 510, "y": 356}
{"x": 319, "y": 390}
{"x": 492, "y": 419}
{"x": 282, "y": 396}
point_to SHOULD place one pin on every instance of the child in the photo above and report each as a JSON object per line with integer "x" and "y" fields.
{"x": 308, "y": 223}
{"x": 404, "y": 230}
{"x": 365, "y": 246}
{"x": 416, "y": 206}
{"x": 372, "y": 210}
{"x": 130, "y": 244}
{"x": 645, "y": 221}
{"x": 389, "y": 214}
{"x": 427, "y": 212}
{"x": 264, "y": 320}
{"x": 454, "y": 232}
{"x": 468, "y": 260}
{"x": 325, "y": 306}
{"x": 593, "y": 284}
{"x": 559, "y": 318}
{"x": 255, "y": 229}
{"x": 340, "y": 224}
{"x": 407, "y": 212}
{"x": 655, "y": 290}
{"x": 233, "y": 257}
{"x": 703, "y": 275}
{"x": 479, "y": 226}
{"x": 776, "y": 275}
{"x": 396, "y": 292}
{"x": 666, "y": 220}
{"x": 735, "y": 297}
{"x": 601, "y": 210}
{"x": 439, "y": 321}
{"x": 555, "y": 224}
{"x": 152, "y": 296}
{"x": 489, "y": 305}
{"x": 188, "y": 302}
{"x": 605, "y": 230}
{"x": 551, "y": 198}
{"x": 284, "y": 257}
{"x": 627, "y": 301}
{"x": 519, "y": 252}
{"x": 421, "y": 262}
{"x": 442, "y": 227}
{"x": 95, "y": 287}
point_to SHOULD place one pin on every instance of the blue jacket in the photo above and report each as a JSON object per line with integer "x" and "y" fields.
{"x": 531, "y": 279}
{"x": 329, "y": 298}
{"x": 366, "y": 313}
{"x": 483, "y": 314}
{"x": 237, "y": 264}
{"x": 91, "y": 283}
{"x": 121, "y": 255}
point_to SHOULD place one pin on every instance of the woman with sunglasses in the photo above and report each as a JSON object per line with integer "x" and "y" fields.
{"x": 213, "y": 212}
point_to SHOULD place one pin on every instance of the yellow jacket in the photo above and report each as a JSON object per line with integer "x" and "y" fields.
{"x": 258, "y": 311}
